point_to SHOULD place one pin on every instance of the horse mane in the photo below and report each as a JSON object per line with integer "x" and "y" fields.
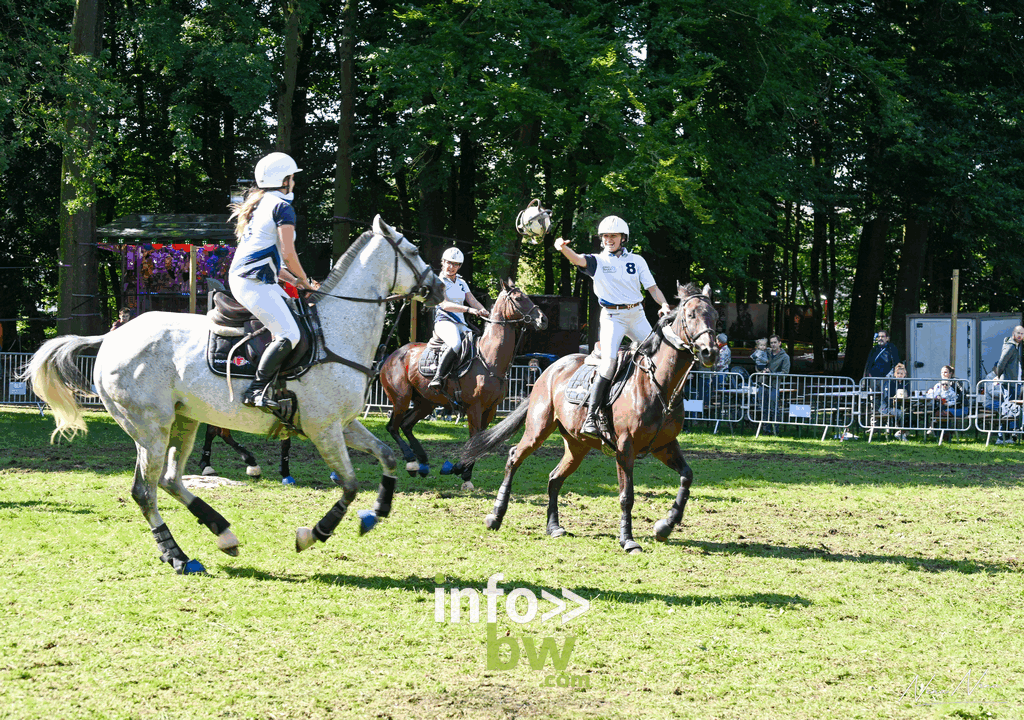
{"x": 344, "y": 263}
{"x": 653, "y": 343}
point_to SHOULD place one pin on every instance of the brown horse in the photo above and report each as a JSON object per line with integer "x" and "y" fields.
{"x": 482, "y": 388}
{"x": 646, "y": 417}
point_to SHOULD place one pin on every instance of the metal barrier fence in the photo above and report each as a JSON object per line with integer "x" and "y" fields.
{"x": 906, "y": 406}
{"x": 18, "y": 392}
{"x": 998, "y": 408}
{"x": 898, "y": 407}
{"x": 818, "y": 401}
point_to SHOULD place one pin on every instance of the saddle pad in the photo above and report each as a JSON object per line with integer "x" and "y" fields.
{"x": 577, "y": 392}
{"x": 247, "y": 358}
{"x": 432, "y": 352}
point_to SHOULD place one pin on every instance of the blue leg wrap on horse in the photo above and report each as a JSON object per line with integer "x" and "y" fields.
{"x": 208, "y": 516}
{"x": 170, "y": 553}
{"x": 325, "y": 528}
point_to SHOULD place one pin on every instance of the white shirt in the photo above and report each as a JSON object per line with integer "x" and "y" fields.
{"x": 454, "y": 291}
{"x": 619, "y": 279}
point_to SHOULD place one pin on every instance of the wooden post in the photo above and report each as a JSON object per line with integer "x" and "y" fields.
{"x": 192, "y": 272}
{"x": 952, "y": 330}
{"x": 414, "y": 316}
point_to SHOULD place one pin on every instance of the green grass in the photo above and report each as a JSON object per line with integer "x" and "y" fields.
{"x": 808, "y": 580}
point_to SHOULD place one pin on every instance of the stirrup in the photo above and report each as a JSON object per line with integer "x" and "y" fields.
{"x": 591, "y": 426}
{"x": 260, "y": 399}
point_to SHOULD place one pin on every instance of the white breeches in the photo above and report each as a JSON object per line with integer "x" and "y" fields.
{"x": 614, "y": 325}
{"x": 451, "y": 333}
{"x": 267, "y": 303}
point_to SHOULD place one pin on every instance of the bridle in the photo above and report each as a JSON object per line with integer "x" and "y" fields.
{"x": 420, "y": 288}
{"x": 687, "y": 343}
{"x": 523, "y": 319}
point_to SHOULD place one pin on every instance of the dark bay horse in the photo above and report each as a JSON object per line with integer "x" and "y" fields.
{"x": 482, "y": 388}
{"x": 646, "y": 417}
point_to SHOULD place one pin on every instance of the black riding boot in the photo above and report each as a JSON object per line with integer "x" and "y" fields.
{"x": 598, "y": 397}
{"x": 256, "y": 394}
{"x": 444, "y": 366}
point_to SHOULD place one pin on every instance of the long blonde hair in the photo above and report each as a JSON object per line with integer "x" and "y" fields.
{"x": 242, "y": 212}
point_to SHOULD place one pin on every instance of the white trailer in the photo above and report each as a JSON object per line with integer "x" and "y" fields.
{"x": 979, "y": 341}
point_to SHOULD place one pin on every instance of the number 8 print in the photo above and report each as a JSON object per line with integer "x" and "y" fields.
{"x": 631, "y": 268}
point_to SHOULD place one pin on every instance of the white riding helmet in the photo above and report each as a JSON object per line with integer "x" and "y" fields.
{"x": 453, "y": 254}
{"x": 613, "y": 224}
{"x": 273, "y": 169}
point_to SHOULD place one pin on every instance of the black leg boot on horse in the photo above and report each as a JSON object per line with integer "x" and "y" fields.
{"x": 259, "y": 394}
{"x": 444, "y": 366}
{"x": 594, "y": 425}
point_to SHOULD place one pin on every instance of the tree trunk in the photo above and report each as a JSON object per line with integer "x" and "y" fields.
{"x": 908, "y": 283}
{"x": 285, "y": 99}
{"x": 864, "y": 295}
{"x": 78, "y": 301}
{"x": 342, "y": 230}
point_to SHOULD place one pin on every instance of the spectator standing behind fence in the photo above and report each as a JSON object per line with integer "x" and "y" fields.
{"x": 895, "y": 389}
{"x": 122, "y": 317}
{"x": 1009, "y": 365}
{"x": 778, "y": 364}
{"x": 882, "y": 358}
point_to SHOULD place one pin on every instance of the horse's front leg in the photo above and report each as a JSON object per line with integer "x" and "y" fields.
{"x": 330, "y": 442}
{"x": 252, "y": 468}
{"x": 624, "y": 464}
{"x": 673, "y": 458}
{"x": 394, "y": 426}
{"x": 358, "y": 437}
{"x": 205, "y": 467}
{"x": 475, "y": 421}
{"x": 420, "y": 409}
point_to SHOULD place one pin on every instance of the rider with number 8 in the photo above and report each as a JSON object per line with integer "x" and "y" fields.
{"x": 619, "y": 280}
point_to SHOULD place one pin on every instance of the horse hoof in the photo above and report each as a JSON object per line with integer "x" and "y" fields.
{"x": 193, "y": 567}
{"x": 492, "y": 522}
{"x": 556, "y": 532}
{"x": 632, "y": 547}
{"x": 227, "y": 543}
{"x": 446, "y": 469}
{"x": 254, "y": 471}
{"x": 367, "y": 521}
{"x": 288, "y": 480}
{"x": 412, "y": 467}
{"x": 336, "y": 479}
{"x": 304, "y": 538}
{"x": 662, "y": 529}
{"x": 207, "y": 471}
{"x": 424, "y": 469}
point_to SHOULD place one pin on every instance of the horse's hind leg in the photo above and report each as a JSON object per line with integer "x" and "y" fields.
{"x": 252, "y": 468}
{"x": 358, "y": 437}
{"x": 330, "y": 442}
{"x": 539, "y": 425}
{"x": 182, "y": 437}
{"x": 420, "y": 409}
{"x": 672, "y": 456}
{"x": 205, "y": 467}
{"x": 575, "y": 451}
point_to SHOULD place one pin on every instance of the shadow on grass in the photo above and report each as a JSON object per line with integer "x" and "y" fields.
{"x": 967, "y": 567}
{"x": 414, "y": 583}
{"x": 45, "y": 506}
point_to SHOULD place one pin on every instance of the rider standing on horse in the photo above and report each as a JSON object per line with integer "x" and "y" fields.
{"x": 265, "y": 228}
{"x": 619, "y": 280}
{"x": 449, "y": 322}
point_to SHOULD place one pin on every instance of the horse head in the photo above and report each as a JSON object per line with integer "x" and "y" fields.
{"x": 413, "y": 274}
{"x": 515, "y": 306}
{"x": 693, "y": 324}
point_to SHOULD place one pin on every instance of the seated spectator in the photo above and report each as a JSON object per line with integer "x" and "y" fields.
{"x": 122, "y": 317}
{"x": 895, "y": 388}
{"x": 949, "y": 394}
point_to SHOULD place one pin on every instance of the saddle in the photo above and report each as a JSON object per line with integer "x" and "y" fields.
{"x": 432, "y": 353}
{"x": 577, "y": 392}
{"x": 230, "y": 321}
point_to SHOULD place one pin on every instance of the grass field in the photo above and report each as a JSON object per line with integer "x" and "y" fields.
{"x": 808, "y": 580}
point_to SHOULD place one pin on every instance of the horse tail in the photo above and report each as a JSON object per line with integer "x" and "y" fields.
{"x": 56, "y": 379}
{"x": 486, "y": 442}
